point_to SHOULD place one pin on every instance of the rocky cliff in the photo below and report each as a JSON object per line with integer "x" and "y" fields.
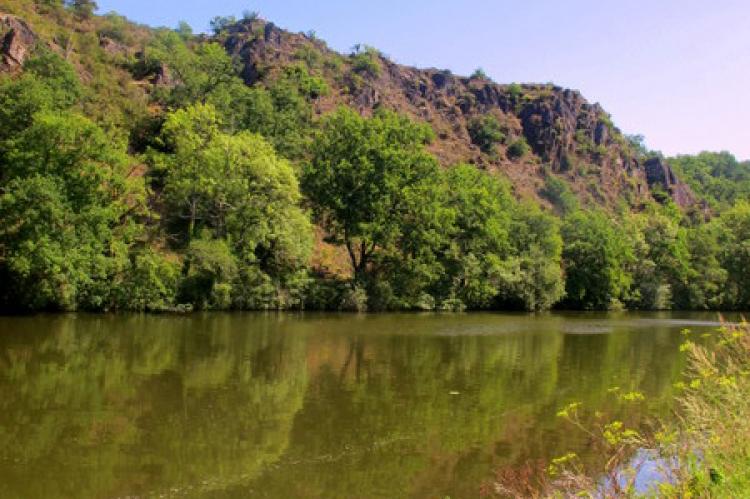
{"x": 568, "y": 136}
{"x": 543, "y": 131}
{"x": 16, "y": 41}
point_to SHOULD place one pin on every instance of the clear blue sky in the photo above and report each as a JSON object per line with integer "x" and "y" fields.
{"x": 676, "y": 71}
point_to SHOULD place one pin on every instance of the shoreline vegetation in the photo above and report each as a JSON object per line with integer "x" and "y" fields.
{"x": 203, "y": 192}
{"x": 147, "y": 170}
{"x": 704, "y": 451}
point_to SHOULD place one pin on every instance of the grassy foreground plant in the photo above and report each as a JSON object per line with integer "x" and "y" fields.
{"x": 712, "y": 441}
{"x": 705, "y": 452}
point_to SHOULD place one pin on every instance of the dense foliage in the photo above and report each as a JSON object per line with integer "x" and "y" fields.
{"x": 208, "y": 193}
{"x": 716, "y": 177}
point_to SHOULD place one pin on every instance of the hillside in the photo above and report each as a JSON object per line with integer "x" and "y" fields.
{"x": 475, "y": 120}
{"x": 256, "y": 168}
{"x": 569, "y": 137}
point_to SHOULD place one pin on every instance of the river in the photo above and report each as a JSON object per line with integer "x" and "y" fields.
{"x": 314, "y": 405}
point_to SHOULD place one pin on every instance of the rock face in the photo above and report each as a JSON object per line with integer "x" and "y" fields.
{"x": 567, "y": 136}
{"x": 550, "y": 124}
{"x": 254, "y": 42}
{"x": 16, "y": 42}
{"x": 113, "y": 47}
{"x": 660, "y": 175}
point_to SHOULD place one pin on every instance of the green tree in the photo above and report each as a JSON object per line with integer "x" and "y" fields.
{"x": 661, "y": 269}
{"x": 716, "y": 177}
{"x": 204, "y": 74}
{"x": 362, "y": 181}
{"x": 706, "y": 282}
{"x": 82, "y": 8}
{"x": 48, "y": 83}
{"x": 39, "y": 246}
{"x": 405, "y": 272}
{"x": 184, "y": 30}
{"x": 210, "y": 269}
{"x": 478, "y": 266}
{"x": 539, "y": 282}
{"x": 62, "y": 240}
{"x": 596, "y": 257}
{"x": 282, "y": 112}
{"x": 502, "y": 254}
{"x": 734, "y": 241}
{"x": 235, "y": 188}
{"x": 149, "y": 283}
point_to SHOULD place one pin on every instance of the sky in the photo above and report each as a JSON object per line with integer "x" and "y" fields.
{"x": 675, "y": 71}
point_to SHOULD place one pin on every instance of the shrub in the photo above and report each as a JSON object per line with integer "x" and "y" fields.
{"x": 452, "y": 304}
{"x": 325, "y": 294}
{"x": 211, "y": 267}
{"x": 559, "y": 194}
{"x": 308, "y": 85}
{"x": 515, "y": 90}
{"x": 311, "y": 57}
{"x": 568, "y": 163}
{"x": 148, "y": 285}
{"x": 518, "y": 149}
{"x": 354, "y": 300}
{"x": 366, "y": 61}
{"x": 116, "y": 28}
{"x": 219, "y": 24}
{"x": 83, "y": 9}
{"x": 250, "y": 15}
{"x": 485, "y": 132}
{"x": 334, "y": 63}
{"x": 479, "y": 74}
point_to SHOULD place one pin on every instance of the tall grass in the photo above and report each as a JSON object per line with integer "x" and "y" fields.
{"x": 703, "y": 452}
{"x": 711, "y": 441}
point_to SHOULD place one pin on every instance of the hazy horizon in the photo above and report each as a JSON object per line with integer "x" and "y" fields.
{"x": 675, "y": 72}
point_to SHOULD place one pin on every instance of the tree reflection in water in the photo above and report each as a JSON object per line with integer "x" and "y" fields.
{"x": 273, "y": 405}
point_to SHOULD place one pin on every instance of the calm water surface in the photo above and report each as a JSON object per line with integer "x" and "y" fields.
{"x": 312, "y": 406}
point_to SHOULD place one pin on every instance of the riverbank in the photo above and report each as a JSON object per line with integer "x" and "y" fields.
{"x": 712, "y": 438}
{"x": 703, "y": 452}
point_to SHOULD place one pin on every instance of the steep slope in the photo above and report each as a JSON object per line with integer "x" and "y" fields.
{"x": 718, "y": 178}
{"x": 17, "y": 40}
{"x": 568, "y": 136}
{"x": 254, "y": 169}
{"x": 544, "y": 138}
{"x": 101, "y": 48}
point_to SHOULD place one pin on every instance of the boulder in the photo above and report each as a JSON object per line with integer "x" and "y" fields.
{"x": 17, "y": 40}
{"x": 660, "y": 175}
{"x": 112, "y": 47}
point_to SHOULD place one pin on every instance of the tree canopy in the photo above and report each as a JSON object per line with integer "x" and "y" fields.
{"x": 168, "y": 179}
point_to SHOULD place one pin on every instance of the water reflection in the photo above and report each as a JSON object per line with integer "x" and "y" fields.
{"x": 237, "y": 405}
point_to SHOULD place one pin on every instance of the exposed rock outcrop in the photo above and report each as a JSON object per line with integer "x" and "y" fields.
{"x": 660, "y": 175}
{"x": 163, "y": 76}
{"x": 566, "y": 134}
{"x": 113, "y": 47}
{"x": 550, "y": 123}
{"x": 17, "y": 40}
